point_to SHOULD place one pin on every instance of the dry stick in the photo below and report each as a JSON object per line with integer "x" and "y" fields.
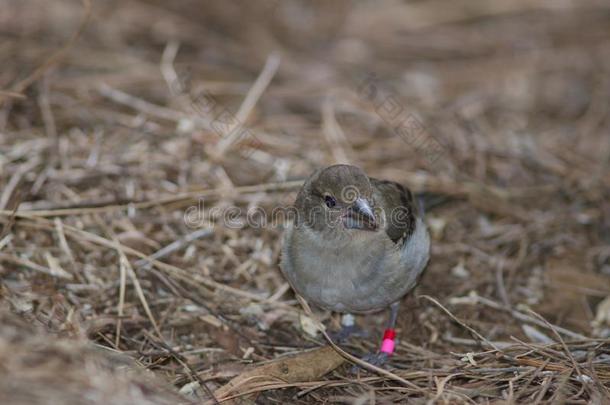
{"x": 167, "y": 67}
{"x": 595, "y": 377}
{"x": 148, "y": 108}
{"x": 254, "y": 94}
{"x": 332, "y": 131}
{"x": 4, "y": 257}
{"x": 54, "y": 265}
{"x": 14, "y": 181}
{"x": 63, "y": 243}
{"x": 49, "y": 122}
{"x": 425, "y": 14}
{"x": 317, "y": 386}
{"x": 523, "y": 317}
{"x": 545, "y": 386}
{"x": 546, "y": 351}
{"x": 8, "y": 225}
{"x": 11, "y": 94}
{"x": 500, "y": 283}
{"x": 563, "y": 343}
{"x": 188, "y": 196}
{"x": 535, "y": 374}
{"x": 279, "y": 292}
{"x": 351, "y": 358}
{"x": 57, "y": 56}
{"x": 473, "y": 342}
{"x": 193, "y": 375}
{"x": 526, "y": 372}
{"x": 121, "y": 302}
{"x": 440, "y": 386}
{"x": 5, "y": 240}
{"x": 559, "y": 396}
{"x": 176, "y": 245}
{"x": 134, "y": 279}
{"x": 471, "y": 330}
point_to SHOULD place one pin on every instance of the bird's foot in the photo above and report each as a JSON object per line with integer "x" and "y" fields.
{"x": 346, "y": 332}
{"x": 376, "y": 359}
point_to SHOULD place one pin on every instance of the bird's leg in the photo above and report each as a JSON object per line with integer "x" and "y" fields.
{"x": 387, "y": 343}
{"x": 348, "y": 329}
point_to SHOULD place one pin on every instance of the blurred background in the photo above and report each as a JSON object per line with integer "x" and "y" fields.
{"x": 118, "y": 118}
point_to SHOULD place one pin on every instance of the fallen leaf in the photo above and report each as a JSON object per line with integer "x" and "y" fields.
{"x": 303, "y": 367}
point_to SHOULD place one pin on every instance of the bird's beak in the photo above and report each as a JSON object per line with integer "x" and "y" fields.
{"x": 360, "y": 215}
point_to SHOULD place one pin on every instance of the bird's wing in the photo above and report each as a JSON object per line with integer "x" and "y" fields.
{"x": 399, "y": 206}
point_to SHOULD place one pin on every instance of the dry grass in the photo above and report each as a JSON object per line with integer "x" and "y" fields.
{"x": 38, "y": 369}
{"x": 118, "y": 117}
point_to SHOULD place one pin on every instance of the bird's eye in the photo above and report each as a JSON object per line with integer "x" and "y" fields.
{"x": 330, "y": 201}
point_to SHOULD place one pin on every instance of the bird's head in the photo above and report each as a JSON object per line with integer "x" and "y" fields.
{"x": 338, "y": 198}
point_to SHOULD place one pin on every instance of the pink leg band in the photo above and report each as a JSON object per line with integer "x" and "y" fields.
{"x": 387, "y": 345}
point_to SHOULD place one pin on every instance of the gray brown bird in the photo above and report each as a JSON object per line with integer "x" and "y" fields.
{"x": 357, "y": 245}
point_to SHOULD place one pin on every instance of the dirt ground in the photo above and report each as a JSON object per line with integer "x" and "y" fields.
{"x": 149, "y": 149}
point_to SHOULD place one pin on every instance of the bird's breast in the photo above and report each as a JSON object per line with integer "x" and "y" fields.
{"x": 362, "y": 272}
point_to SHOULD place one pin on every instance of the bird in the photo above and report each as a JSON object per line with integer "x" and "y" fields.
{"x": 356, "y": 245}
